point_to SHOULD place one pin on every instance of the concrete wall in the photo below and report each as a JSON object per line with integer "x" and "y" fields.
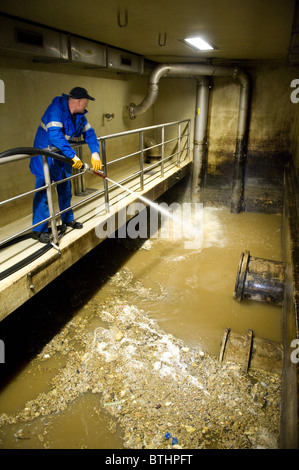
{"x": 272, "y": 111}
{"x": 270, "y": 132}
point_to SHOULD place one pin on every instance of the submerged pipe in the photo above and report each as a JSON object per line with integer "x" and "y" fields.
{"x": 260, "y": 279}
{"x": 237, "y": 203}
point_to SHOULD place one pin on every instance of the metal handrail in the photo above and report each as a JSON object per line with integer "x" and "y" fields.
{"x": 182, "y": 150}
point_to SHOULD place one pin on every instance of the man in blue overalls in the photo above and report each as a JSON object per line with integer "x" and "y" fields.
{"x": 64, "y": 122}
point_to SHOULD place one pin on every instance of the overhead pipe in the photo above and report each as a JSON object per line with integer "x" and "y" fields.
{"x": 237, "y": 200}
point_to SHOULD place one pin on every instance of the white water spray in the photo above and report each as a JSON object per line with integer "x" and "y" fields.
{"x": 191, "y": 230}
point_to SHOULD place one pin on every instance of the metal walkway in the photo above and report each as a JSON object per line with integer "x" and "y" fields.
{"x": 27, "y": 266}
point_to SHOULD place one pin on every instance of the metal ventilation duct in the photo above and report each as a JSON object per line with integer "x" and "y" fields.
{"x": 87, "y": 53}
{"x": 124, "y": 61}
{"x": 26, "y": 40}
{"x": 41, "y": 44}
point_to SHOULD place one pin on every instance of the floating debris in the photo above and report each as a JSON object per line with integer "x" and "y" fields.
{"x": 148, "y": 381}
{"x": 161, "y": 393}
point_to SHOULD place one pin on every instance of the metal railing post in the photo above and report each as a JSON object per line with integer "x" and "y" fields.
{"x": 179, "y": 144}
{"x": 141, "y": 146}
{"x": 79, "y": 181}
{"x": 104, "y": 163}
{"x": 50, "y": 199}
{"x": 189, "y": 130}
{"x": 162, "y": 150}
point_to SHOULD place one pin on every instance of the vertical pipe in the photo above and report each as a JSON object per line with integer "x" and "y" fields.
{"x": 200, "y": 132}
{"x": 237, "y": 199}
{"x": 50, "y": 199}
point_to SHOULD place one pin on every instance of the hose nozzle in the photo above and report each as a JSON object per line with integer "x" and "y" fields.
{"x": 99, "y": 173}
{"x": 85, "y": 167}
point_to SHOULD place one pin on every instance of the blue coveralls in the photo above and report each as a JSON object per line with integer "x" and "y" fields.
{"x": 58, "y": 129}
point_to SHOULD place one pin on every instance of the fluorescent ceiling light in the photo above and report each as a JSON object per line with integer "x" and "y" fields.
{"x": 199, "y": 43}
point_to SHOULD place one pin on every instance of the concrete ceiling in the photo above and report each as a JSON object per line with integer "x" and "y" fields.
{"x": 241, "y": 29}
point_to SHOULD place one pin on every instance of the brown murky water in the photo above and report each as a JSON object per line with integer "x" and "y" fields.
{"x": 187, "y": 293}
{"x": 199, "y": 303}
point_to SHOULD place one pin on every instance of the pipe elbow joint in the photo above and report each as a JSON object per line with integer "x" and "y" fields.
{"x": 242, "y": 76}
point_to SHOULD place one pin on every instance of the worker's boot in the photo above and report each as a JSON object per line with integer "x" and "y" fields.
{"x": 42, "y": 237}
{"x": 74, "y": 224}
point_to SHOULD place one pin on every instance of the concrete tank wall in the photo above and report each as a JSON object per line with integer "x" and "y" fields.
{"x": 270, "y": 131}
{"x": 272, "y": 111}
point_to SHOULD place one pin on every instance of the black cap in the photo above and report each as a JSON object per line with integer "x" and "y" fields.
{"x": 78, "y": 93}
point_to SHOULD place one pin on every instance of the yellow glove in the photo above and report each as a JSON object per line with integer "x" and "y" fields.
{"x": 77, "y": 163}
{"x": 96, "y": 161}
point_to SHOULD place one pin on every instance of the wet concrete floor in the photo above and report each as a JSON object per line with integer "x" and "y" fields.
{"x": 122, "y": 348}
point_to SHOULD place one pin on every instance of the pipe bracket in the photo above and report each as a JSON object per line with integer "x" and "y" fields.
{"x": 131, "y": 111}
{"x": 30, "y": 282}
{"x": 160, "y": 42}
{"x": 125, "y": 23}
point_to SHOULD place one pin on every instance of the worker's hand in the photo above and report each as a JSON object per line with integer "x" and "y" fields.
{"x": 96, "y": 161}
{"x": 77, "y": 163}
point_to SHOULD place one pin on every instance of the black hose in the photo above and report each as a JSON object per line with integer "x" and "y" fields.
{"x": 24, "y": 262}
{"x": 33, "y": 151}
{"x": 18, "y": 239}
{"x": 25, "y": 236}
{"x": 30, "y": 258}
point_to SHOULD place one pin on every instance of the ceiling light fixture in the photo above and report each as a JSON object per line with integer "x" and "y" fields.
{"x": 199, "y": 43}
